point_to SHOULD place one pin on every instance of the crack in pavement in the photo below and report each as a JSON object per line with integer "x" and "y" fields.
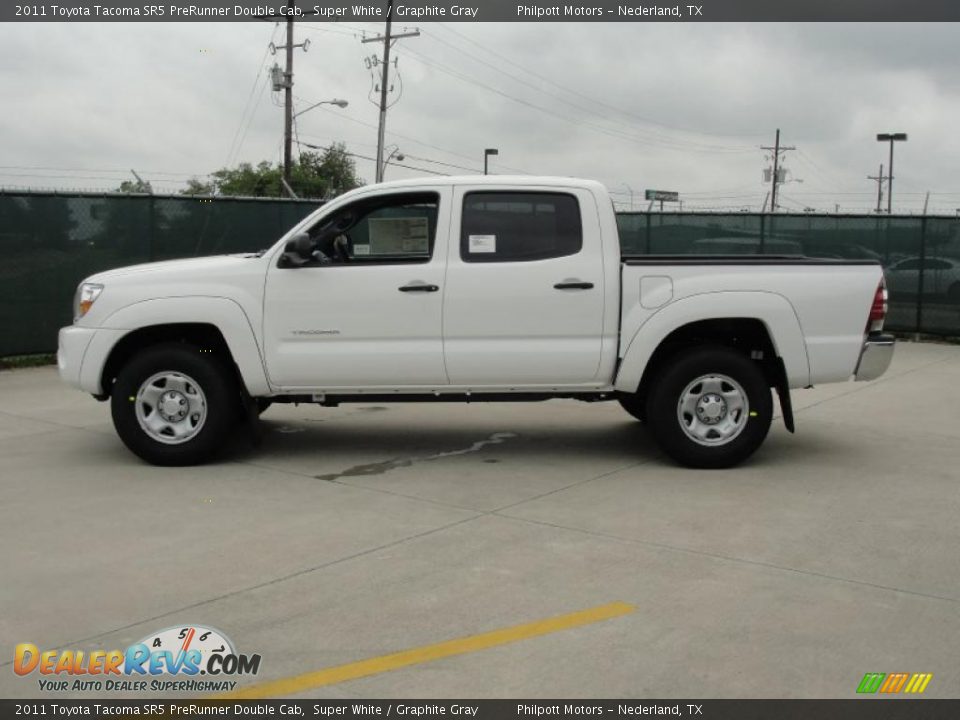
{"x": 385, "y": 466}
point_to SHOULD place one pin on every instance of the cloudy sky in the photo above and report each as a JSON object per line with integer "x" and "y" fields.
{"x": 674, "y": 107}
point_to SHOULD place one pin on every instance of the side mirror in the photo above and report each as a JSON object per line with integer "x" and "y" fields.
{"x": 298, "y": 251}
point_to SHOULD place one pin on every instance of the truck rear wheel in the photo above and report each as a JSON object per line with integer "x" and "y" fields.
{"x": 710, "y": 408}
{"x": 173, "y": 405}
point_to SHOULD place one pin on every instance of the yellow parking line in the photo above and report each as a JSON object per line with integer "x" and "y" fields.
{"x": 426, "y": 653}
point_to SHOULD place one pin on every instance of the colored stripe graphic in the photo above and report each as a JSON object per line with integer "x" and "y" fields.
{"x": 913, "y": 683}
{"x": 871, "y": 682}
{"x": 918, "y": 683}
{"x": 894, "y": 682}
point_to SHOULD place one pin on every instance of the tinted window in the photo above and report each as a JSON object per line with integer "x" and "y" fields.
{"x": 503, "y": 227}
{"x": 384, "y": 229}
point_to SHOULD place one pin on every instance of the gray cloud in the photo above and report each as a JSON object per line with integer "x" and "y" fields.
{"x": 680, "y": 107}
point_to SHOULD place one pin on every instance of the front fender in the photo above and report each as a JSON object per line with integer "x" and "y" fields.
{"x": 223, "y": 313}
{"x": 772, "y": 309}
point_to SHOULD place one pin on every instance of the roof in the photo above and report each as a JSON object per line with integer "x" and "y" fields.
{"x": 521, "y": 180}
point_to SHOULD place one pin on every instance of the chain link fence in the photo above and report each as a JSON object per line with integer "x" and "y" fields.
{"x": 920, "y": 254}
{"x": 51, "y": 241}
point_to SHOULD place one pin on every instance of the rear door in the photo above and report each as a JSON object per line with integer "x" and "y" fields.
{"x": 524, "y": 295}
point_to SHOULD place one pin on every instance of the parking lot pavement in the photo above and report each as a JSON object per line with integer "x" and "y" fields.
{"x": 362, "y": 531}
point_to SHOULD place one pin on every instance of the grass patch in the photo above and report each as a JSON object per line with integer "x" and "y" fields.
{"x": 25, "y": 361}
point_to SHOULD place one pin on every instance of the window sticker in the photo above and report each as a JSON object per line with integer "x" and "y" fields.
{"x": 482, "y": 243}
{"x": 399, "y": 236}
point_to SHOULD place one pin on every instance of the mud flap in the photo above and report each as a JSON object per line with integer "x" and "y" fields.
{"x": 783, "y": 392}
{"x": 251, "y": 415}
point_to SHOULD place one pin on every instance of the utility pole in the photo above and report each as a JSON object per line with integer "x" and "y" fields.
{"x": 286, "y": 84}
{"x": 775, "y": 180}
{"x": 288, "y": 101}
{"x": 880, "y": 180}
{"x": 387, "y": 39}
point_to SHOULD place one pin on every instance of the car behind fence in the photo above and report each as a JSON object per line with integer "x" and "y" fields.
{"x": 51, "y": 241}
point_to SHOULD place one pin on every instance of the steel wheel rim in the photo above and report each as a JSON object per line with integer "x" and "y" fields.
{"x": 713, "y": 410}
{"x": 171, "y": 407}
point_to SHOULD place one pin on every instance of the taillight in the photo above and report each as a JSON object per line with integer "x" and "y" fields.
{"x": 878, "y": 310}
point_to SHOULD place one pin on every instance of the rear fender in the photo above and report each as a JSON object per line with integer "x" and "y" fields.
{"x": 773, "y": 310}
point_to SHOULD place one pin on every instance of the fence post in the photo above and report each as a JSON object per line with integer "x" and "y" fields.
{"x": 151, "y": 219}
{"x": 647, "y": 216}
{"x": 923, "y": 271}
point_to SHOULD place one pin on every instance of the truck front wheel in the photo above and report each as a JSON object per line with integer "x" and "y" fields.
{"x": 174, "y": 405}
{"x": 710, "y": 408}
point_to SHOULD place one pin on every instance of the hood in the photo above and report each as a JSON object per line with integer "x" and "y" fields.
{"x": 187, "y": 268}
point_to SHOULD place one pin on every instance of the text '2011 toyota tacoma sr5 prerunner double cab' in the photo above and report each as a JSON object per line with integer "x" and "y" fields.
{"x": 471, "y": 289}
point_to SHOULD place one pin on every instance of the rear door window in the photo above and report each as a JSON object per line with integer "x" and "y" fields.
{"x": 519, "y": 226}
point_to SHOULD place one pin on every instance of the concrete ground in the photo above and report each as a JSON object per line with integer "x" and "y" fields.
{"x": 356, "y": 532}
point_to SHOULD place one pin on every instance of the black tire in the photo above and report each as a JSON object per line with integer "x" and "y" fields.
{"x": 217, "y": 386}
{"x": 634, "y": 406}
{"x": 262, "y": 404}
{"x": 668, "y": 388}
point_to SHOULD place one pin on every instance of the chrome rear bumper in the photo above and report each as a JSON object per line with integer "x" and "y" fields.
{"x": 875, "y": 357}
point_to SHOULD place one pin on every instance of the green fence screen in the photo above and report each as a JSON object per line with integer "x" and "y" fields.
{"x": 920, "y": 254}
{"x": 51, "y": 241}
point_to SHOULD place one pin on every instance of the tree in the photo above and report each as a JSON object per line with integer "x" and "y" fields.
{"x": 196, "y": 186}
{"x": 314, "y": 175}
{"x": 135, "y": 186}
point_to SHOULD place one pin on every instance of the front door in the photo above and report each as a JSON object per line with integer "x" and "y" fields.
{"x": 366, "y": 313}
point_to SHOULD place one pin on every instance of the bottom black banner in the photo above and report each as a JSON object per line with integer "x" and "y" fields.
{"x": 875, "y": 708}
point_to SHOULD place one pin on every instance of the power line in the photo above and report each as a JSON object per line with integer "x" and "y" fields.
{"x": 246, "y": 106}
{"x": 367, "y": 157}
{"x": 619, "y": 135}
{"x": 649, "y": 121}
{"x": 587, "y": 110}
{"x": 409, "y": 138}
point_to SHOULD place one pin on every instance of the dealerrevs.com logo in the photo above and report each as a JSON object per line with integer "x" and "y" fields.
{"x": 175, "y": 652}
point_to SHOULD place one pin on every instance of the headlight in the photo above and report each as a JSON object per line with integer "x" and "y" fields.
{"x": 86, "y": 296}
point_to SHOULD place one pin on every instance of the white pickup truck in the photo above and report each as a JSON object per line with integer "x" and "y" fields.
{"x": 470, "y": 289}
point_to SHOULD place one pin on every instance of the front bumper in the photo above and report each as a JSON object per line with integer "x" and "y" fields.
{"x": 875, "y": 357}
{"x": 72, "y": 344}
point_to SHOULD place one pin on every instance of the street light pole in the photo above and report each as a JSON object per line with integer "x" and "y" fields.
{"x": 486, "y": 155}
{"x": 891, "y": 138}
{"x": 393, "y": 153}
{"x": 336, "y": 101}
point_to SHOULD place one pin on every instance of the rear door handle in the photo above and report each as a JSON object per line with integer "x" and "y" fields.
{"x": 418, "y": 287}
{"x": 573, "y": 285}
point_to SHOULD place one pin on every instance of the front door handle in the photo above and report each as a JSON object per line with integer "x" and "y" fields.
{"x": 573, "y": 285}
{"x": 418, "y": 287}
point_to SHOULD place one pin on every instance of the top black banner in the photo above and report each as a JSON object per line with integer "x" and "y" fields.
{"x": 541, "y": 11}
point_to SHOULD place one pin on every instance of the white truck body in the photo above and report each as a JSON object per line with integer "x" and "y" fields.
{"x": 445, "y": 315}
